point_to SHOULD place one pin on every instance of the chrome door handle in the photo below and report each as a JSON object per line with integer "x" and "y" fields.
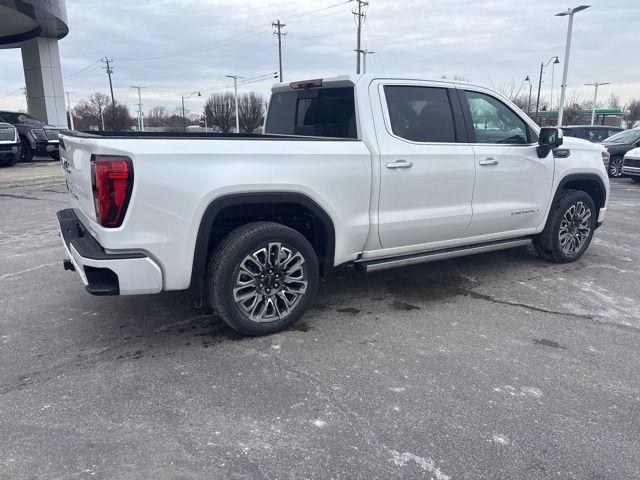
{"x": 489, "y": 162}
{"x": 400, "y": 164}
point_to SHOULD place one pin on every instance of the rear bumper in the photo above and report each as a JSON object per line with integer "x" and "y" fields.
{"x": 106, "y": 273}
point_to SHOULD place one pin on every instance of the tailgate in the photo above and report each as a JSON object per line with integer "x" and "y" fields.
{"x": 75, "y": 159}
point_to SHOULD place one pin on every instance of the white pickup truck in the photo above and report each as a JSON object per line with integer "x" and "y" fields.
{"x": 354, "y": 170}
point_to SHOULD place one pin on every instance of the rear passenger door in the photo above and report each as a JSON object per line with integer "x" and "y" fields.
{"x": 426, "y": 165}
{"x": 512, "y": 183}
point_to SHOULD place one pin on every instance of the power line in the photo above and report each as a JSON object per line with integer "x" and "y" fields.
{"x": 81, "y": 71}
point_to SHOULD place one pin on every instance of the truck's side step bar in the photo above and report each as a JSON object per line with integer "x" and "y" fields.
{"x": 415, "y": 258}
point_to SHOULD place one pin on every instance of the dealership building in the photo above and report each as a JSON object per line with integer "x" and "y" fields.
{"x": 36, "y": 26}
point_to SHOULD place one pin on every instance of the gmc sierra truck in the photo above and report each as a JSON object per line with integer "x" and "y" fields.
{"x": 355, "y": 170}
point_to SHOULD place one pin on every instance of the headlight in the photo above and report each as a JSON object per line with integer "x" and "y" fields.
{"x": 605, "y": 158}
{"x": 38, "y": 134}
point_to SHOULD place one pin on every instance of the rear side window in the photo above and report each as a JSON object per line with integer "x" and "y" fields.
{"x": 420, "y": 114}
{"x": 323, "y": 112}
{"x": 597, "y": 134}
{"x": 494, "y": 122}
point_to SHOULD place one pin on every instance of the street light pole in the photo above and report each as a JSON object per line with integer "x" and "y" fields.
{"x": 563, "y": 88}
{"x": 184, "y": 120}
{"x": 595, "y": 98}
{"x": 364, "y": 53}
{"x": 235, "y": 88}
{"x": 542, "y": 65}
{"x": 530, "y": 90}
{"x": 140, "y": 116}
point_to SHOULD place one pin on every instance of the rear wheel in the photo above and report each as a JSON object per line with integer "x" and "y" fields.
{"x": 26, "y": 153}
{"x": 569, "y": 229}
{"x": 262, "y": 278}
{"x": 615, "y": 166}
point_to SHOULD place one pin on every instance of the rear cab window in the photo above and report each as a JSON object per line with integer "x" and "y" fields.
{"x": 317, "y": 112}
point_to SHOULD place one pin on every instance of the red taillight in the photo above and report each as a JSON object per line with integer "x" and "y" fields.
{"x": 112, "y": 185}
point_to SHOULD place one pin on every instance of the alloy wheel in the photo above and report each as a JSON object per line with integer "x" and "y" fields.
{"x": 575, "y": 228}
{"x": 270, "y": 282}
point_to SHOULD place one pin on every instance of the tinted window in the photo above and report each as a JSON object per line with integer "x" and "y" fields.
{"x": 494, "y": 122}
{"x": 420, "y": 114}
{"x": 324, "y": 112}
{"x": 21, "y": 119}
{"x": 597, "y": 134}
{"x": 628, "y": 136}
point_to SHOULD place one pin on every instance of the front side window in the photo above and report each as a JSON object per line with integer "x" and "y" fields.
{"x": 420, "y": 114}
{"x": 494, "y": 122}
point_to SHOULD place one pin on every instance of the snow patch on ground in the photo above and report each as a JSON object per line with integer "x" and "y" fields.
{"x": 426, "y": 464}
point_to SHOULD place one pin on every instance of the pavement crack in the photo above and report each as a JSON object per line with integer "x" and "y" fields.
{"x": 21, "y": 197}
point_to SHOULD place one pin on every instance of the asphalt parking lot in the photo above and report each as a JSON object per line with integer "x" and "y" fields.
{"x": 495, "y": 366}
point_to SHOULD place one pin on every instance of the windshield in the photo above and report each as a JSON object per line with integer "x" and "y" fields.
{"x": 20, "y": 119}
{"x": 628, "y": 136}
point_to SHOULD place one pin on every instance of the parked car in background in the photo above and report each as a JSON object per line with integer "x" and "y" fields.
{"x": 618, "y": 145}
{"x": 35, "y": 136}
{"x": 356, "y": 170}
{"x": 593, "y": 133}
{"x": 631, "y": 164}
{"x": 9, "y": 145}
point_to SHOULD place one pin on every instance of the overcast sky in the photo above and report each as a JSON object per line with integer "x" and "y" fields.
{"x": 174, "y": 47}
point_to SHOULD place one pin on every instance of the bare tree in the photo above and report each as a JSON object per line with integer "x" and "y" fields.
{"x": 220, "y": 111}
{"x": 85, "y": 116}
{"x": 633, "y": 117}
{"x": 575, "y": 106}
{"x": 455, "y": 77}
{"x": 250, "y": 111}
{"x": 614, "y": 101}
{"x": 118, "y": 117}
{"x": 157, "y": 116}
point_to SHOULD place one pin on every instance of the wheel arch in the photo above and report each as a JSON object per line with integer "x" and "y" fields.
{"x": 266, "y": 200}
{"x": 589, "y": 183}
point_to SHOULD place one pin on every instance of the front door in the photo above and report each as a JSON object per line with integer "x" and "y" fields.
{"x": 512, "y": 182}
{"x": 427, "y": 167}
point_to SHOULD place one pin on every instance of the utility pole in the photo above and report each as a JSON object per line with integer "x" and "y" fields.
{"x": 109, "y": 71}
{"x": 140, "y": 116}
{"x": 360, "y": 18}
{"x": 26, "y": 97}
{"x": 542, "y": 65}
{"x": 279, "y": 26}
{"x": 595, "y": 98}
{"x": 364, "y": 53}
{"x": 235, "y": 87}
{"x": 570, "y": 12}
{"x": 69, "y": 110}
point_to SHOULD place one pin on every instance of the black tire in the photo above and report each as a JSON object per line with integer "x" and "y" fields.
{"x": 26, "y": 154}
{"x": 636, "y": 179}
{"x": 548, "y": 244}
{"x": 56, "y": 156}
{"x": 8, "y": 160}
{"x": 237, "y": 249}
{"x": 615, "y": 166}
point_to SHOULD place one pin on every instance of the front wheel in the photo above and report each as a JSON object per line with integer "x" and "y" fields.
{"x": 26, "y": 153}
{"x": 262, "y": 278}
{"x": 615, "y": 166}
{"x": 569, "y": 228}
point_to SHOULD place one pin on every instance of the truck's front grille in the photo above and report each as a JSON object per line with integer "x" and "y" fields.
{"x": 52, "y": 134}
{"x": 632, "y": 162}
{"x": 7, "y": 134}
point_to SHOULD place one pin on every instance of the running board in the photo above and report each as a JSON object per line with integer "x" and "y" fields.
{"x": 415, "y": 258}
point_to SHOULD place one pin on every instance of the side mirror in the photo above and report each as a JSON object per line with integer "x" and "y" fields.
{"x": 548, "y": 139}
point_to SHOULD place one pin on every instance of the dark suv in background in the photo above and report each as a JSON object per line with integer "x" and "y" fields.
{"x": 593, "y": 133}
{"x": 36, "y": 137}
{"x": 618, "y": 145}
